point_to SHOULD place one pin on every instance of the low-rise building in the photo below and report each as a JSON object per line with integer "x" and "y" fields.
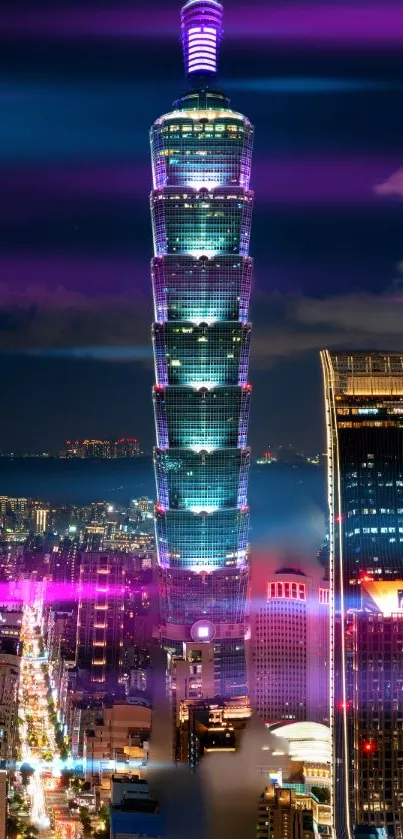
{"x": 10, "y": 660}
{"x": 133, "y": 812}
{"x": 117, "y": 740}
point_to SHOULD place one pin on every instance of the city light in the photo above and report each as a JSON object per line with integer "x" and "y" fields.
{"x": 36, "y": 731}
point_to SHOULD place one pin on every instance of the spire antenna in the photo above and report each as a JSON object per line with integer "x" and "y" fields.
{"x": 202, "y": 29}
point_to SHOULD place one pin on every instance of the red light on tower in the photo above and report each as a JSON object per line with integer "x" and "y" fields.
{"x": 368, "y": 747}
{"x": 339, "y": 519}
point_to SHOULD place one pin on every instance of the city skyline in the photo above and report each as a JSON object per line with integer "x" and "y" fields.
{"x": 202, "y": 654}
{"x": 74, "y": 277}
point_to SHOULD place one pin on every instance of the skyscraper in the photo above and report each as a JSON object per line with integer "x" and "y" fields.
{"x": 364, "y": 414}
{"x": 201, "y": 208}
{"x": 289, "y": 645}
{"x": 99, "y": 645}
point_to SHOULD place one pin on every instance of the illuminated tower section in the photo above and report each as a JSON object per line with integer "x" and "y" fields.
{"x": 364, "y": 411}
{"x": 201, "y": 209}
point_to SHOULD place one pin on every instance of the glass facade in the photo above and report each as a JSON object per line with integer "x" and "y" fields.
{"x": 364, "y": 404}
{"x": 201, "y": 209}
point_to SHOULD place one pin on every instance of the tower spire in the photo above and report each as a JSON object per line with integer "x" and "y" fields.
{"x": 202, "y": 29}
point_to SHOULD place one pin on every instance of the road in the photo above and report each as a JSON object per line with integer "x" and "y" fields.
{"x": 36, "y": 729}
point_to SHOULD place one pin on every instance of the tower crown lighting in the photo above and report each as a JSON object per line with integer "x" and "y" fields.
{"x": 201, "y": 24}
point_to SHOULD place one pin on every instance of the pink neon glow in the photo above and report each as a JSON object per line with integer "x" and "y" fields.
{"x": 27, "y": 591}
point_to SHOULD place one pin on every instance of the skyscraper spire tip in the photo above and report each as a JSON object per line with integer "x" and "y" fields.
{"x": 202, "y": 29}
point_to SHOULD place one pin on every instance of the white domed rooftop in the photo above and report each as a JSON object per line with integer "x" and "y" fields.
{"x": 308, "y": 742}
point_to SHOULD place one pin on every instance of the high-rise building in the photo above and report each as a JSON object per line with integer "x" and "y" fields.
{"x": 40, "y": 517}
{"x": 289, "y": 644}
{"x": 99, "y": 648}
{"x": 364, "y": 415}
{"x": 201, "y": 208}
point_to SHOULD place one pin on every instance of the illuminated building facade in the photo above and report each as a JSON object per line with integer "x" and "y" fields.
{"x": 285, "y": 815}
{"x": 99, "y": 646}
{"x": 364, "y": 405}
{"x": 309, "y": 749}
{"x": 201, "y": 208}
{"x": 289, "y": 646}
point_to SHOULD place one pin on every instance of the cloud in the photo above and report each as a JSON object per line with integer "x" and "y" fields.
{"x": 64, "y": 323}
{"x": 392, "y": 186}
{"x": 358, "y": 320}
{"x": 115, "y": 327}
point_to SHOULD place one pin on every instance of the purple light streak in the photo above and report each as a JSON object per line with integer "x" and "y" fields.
{"x": 349, "y": 25}
{"x": 27, "y": 591}
{"x": 327, "y": 181}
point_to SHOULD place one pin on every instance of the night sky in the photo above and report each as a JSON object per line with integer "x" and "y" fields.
{"x": 80, "y": 85}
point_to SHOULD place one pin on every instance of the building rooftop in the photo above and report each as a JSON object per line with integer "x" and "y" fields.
{"x": 133, "y": 822}
{"x": 308, "y": 742}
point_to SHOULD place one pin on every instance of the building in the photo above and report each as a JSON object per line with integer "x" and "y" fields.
{"x": 10, "y": 622}
{"x": 133, "y": 812}
{"x": 289, "y": 644}
{"x": 364, "y": 416}
{"x": 40, "y": 517}
{"x": 14, "y": 513}
{"x": 285, "y": 814}
{"x": 99, "y": 646}
{"x": 64, "y": 563}
{"x": 10, "y": 661}
{"x": 3, "y": 804}
{"x": 191, "y": 674}
{"x": 377, "y": 661}
{"x": 201, "y": 208}
{"x": 308, "y": 752}
{"x": 206, "y": 726}
{"x": 117, "y": 736}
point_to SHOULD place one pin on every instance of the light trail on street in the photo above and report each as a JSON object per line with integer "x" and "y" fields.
{"x": 37, "y": 735}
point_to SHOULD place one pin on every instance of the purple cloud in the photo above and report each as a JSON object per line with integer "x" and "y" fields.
{"x": 392, "y": 186}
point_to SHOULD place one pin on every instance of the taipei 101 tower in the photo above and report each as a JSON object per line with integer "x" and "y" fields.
{"x": 201, "y": 210}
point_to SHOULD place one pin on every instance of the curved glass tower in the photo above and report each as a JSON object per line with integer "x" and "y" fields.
{"x": 201, "y": 209}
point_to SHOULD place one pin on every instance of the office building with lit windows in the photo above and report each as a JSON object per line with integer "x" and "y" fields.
{"x": 364, "y": 414}
{"x": 289, "y": 645}
{"x": 201, "y": 208}
{"x": 99, "y": 644}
